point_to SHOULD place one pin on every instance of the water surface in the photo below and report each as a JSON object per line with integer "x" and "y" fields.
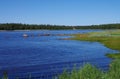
{"x": 47, "y": 55}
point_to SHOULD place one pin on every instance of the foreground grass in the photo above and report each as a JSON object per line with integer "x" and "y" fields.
{"x": 91, "y": 72}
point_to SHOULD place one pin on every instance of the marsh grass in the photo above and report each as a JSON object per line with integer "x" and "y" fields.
{"x": 86, "y": 72}
{"x": 110, "y": 39}
{"x": 110, "y": 42}
{"x": 89, "y": 71}
{"x": 114, "y": 56}
{"x": 114, "y": 71}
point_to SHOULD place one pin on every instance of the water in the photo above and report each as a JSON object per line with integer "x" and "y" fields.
{"x": 43, "y": 56}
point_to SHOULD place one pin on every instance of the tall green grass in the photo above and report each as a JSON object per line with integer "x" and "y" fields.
{"x": 114, "y": 71}
{"x": 86, "y": 72}
{"x": 89, "y": 71}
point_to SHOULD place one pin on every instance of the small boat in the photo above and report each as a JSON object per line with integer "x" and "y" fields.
{"x": 25, "y": 35}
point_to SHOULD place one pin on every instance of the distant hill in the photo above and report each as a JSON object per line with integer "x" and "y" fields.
{"x": 18, "y": 26}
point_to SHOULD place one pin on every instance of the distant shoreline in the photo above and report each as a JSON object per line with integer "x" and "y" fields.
{"x": 13, "y": 26}
{"x": 16, "y": 30}
{"x": 44, "y": 30}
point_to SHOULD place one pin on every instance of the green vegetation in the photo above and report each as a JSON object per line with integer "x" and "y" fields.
{"x": 87, "y": 71}
{"x": 114, "y": 56}
{"x": 18, "y": 26}
{"x": 90, "y": 72}
{"x": 109, "y": 38}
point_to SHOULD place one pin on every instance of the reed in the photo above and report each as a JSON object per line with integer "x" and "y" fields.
{"x": 89, "y": 71}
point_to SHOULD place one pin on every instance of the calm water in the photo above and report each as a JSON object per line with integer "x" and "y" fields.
{"x": 47, "y": 55}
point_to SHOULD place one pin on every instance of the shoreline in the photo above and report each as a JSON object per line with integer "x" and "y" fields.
{"x": 108, "y": 38}
{"x": 19, "y": 30}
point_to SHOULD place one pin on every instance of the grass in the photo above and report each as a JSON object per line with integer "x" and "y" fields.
{"x": 91, "y": 72}
{"x": 82, "y": 73}
{"x": 114, "y": 56}
{"x": 110, "y": 39}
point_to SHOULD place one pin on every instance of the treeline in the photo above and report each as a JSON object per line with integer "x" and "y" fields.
{"x": 18, "y": 26}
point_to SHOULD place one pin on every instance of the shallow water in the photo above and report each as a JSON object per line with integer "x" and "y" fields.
{"x": 47, "y": 55}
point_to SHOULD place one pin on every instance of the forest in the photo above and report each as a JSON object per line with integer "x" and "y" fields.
{"x": 20, "y": 26}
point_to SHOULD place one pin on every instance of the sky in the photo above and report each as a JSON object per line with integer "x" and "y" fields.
{"x": 60, "y": 12}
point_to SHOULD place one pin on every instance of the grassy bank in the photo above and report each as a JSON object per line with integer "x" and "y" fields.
{"x": 90, "y": 72}
{"x": 115, "y": 56}
{"x": 109, "y": 38}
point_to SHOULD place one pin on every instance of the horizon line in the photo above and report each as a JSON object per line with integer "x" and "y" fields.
{"x": 56, "y": 24}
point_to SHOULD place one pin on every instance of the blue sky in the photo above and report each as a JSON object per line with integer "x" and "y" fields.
{"x": 60, "y": 12}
